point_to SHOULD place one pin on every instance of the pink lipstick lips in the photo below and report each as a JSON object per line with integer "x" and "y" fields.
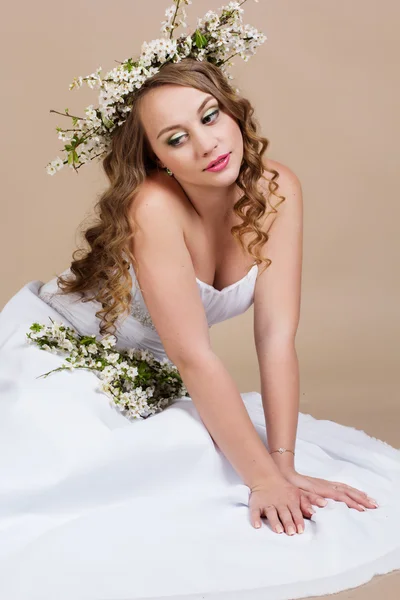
{"x": 220, "y": 163}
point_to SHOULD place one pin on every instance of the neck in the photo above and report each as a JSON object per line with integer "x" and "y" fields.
{"x": 213, "y": 205}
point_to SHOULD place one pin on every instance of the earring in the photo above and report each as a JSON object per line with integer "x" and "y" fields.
{"x": 169, "y": 172}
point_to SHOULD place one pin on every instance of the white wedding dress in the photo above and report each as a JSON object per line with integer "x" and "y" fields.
{"x": 96, "y": 507}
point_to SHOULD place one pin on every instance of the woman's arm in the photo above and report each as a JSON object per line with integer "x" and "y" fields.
{"x": 277, "y": 313}
{"x": 221, "y": 408}
{"x": 279, "y": 371}
{"x": 276, "y": 319}
{"x": 167, "y": 279}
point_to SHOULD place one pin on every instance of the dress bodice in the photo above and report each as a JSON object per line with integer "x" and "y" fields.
{"x": 137, "y": 328}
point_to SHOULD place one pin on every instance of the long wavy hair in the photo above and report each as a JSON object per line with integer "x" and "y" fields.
{"x": 101, "y": 271}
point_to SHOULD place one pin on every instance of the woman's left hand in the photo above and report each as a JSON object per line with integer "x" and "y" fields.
{"x": 317, "y": 490}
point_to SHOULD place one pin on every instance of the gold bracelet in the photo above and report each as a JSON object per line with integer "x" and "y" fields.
{"x": 282, "y": 450}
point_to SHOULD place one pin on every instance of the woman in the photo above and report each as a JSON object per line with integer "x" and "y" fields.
{"x": 192, "y": 238}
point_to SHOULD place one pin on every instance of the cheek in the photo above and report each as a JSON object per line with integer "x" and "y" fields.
{"x": 234, "y": 131}
{"x": 237, "y": 142}
{"x": 238, "y": 134}
{"x": 182, "y": 158}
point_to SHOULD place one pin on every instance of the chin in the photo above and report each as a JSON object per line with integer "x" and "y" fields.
{"x": 230, "y": 174}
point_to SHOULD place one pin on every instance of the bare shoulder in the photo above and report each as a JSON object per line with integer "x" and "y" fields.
{"x": 288, "y": 195}
{"x": 157, "y": 195}
{"x": 286, "y": 198}
{"x": 285, "y": 177}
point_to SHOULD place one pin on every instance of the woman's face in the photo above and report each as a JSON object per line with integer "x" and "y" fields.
{"x": 187, "y": 130}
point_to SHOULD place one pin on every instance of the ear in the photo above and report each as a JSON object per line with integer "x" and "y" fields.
{"x": 152, "y": 155}
{"x": 159, "y": 163}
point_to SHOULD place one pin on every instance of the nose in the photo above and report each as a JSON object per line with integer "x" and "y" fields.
{"x": 204, "y": 142}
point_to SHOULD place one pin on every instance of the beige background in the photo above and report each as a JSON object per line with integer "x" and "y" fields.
{"x": 326, "y": 95}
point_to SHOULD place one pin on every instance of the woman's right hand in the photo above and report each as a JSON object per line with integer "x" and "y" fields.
{"x": 282, "y": 503}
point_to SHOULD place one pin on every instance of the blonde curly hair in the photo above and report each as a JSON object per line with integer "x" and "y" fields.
{"x": 101, "y": 271}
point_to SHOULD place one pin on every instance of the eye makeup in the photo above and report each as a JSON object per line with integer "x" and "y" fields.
{"x": 211, "y": 112}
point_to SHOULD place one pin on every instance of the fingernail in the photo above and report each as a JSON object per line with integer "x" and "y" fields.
{"x": 258, "y": 524}
{"x": 311, "y": 510}
{"x": 279, "y": 529}
{"x": 322, "y": 502}
{"x": 291, "y": 530}
{"x": 300, "y": 529}
{"x": 362, "y": 507}
{"x": 373, "y": 501}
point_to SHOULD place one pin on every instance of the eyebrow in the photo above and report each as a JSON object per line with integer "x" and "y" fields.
{"x": 202, "y": 105}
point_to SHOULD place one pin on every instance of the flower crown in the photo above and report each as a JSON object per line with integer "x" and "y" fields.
{"x": 217, "y": 39}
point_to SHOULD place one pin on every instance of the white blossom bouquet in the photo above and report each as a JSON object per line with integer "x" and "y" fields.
{"x": 137, "y": 383}
{"x": 217, "y": 39}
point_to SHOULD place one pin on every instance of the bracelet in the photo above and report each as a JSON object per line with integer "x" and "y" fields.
{"x": 282, "y": 450}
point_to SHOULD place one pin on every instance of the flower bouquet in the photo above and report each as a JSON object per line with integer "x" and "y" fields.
{"x": 137, "y": 383}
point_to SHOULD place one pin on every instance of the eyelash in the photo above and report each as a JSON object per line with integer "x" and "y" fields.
{"x": 171, "y": 142}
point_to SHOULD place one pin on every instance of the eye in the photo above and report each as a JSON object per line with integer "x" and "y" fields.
{"x": 215, "y": 112}
{"x": 175, "y": 141}
{"x": 172, "y": 141}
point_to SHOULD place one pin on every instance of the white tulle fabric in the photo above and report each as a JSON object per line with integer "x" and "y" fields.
{"x": 95, "y": 507}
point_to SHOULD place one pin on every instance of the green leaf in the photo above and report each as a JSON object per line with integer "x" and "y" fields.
{"x": 199, "y": 39}
{"x": 86, "y": 340}
{"x": 107, "y": 122}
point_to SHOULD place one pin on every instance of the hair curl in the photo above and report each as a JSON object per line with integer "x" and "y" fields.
{"x": 101, "y": 272}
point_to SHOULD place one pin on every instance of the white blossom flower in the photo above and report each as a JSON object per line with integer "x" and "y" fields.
{"x": 132, "y": 372}
{"x": 108, "y": 341}
{"x": 67, "y": 345}
{"x": 170, "y": 11}
{"x": 108, "y": 372}
{"x": 55, "y": 165}
{"x": 113, "y": 357}
{"x": 234, "y": 6}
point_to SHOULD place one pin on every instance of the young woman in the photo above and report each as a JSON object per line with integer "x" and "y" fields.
{"x": 191, "y": 213}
